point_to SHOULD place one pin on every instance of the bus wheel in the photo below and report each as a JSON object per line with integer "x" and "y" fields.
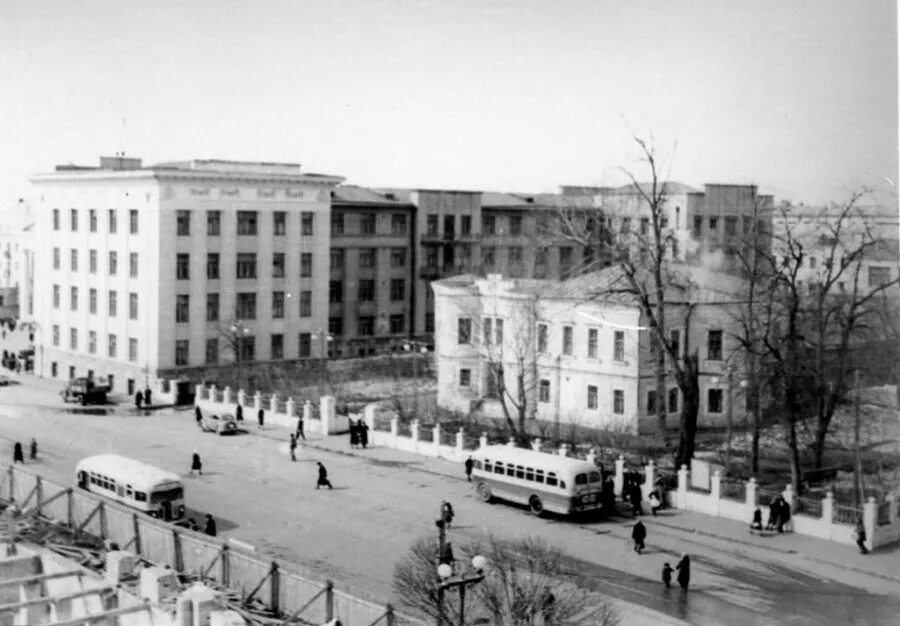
{"x": 484, "y": 492}
{"x": 536, "y": 506}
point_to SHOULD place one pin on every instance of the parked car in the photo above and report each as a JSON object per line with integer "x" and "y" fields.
{"x": 85, "y": 391}
{"x": 220, "y": 424}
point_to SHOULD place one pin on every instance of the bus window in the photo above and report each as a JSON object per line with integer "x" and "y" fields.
{"x": 539, "y": 476}
{"x": 140, "y": 496}
{"x": 520, "y": 471}
{"x": 498, "y": 468}
{"x": 488, "y": 467}
{"x": 477, "y": 464}
{"x": 510, "y": 469}
{"x": 594, "y": 477}
{"x": 562, "y": 484}
{"x": 165, "y": 495}
{"x": 129, "y": 491}
{"x": 529, "y": 473}
{"x": 581, "y": 479}
{"x": 551, "y": 479}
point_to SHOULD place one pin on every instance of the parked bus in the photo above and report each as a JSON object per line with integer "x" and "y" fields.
{"x": 149, "y": 489}
{"x": 544, "y": 482}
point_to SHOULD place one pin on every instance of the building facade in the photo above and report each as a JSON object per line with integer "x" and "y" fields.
{"x": 17, "y": 262}
{"x": 146, "y": 272}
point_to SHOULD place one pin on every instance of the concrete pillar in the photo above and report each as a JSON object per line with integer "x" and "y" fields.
{"x": 870, "y": 521}
{"x": 257, "y": 401}
{"x": 482, "y": 441}
{"x": 649, "y": 478}
{"x": 619, "y": 479}
{"x": 213, "y": 394}
{"x": 536, "y": 444}
{"x": 460, "y": 444}
{"x": 436, "y": 434}
{"x": 307, "y": 410}
{"x": 369, "y": 416}
{"x": 241, "y": 397}
{"x": 395, "y": 426}
{"x": 227, "y": 396}
{"x": 715, "y": 486}
{"x": 591, "y": 457}
{"x": 751, "y": 493}
{"x": 290, "y": 407}
{"x": 788, "y": 495}
{"x": 414, "y": 430}
{"x": 198, "y": 392}
{"x": 273, "y": 403}
{"x": 681, "y": 498}
{"x": 511, "y": 443}
{"x": 326, "y": 412}
{"x": 891, "y": 499}
{"x": 828, "y": 508}
{"x": 563, "y": 449}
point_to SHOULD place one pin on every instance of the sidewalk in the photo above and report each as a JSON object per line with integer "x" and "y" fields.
{"x": 883, "y": 563}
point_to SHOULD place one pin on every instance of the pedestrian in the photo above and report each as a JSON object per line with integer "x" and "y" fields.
{"x": 354, "y": 435}
{"x": 667, "y": 575}
{"x": 636, "y": 498}
{"x": 261, "y": 417}
{"x": 210, "y": 526}
{"x": 784, "y": 518}
{"x": 196, "y": 465}
{"x": 33, "y": 449}
{"x": 363, "y": 429}
{"x": 684, "y": 571}
{"x": 608, "y": 496}
{"x": 638, "y": 534}
{"x": 239, "y": 413}
{"x": 323, "y": 477}
{"x": 655, "y": 504}
{"x": 861, "y": 536}
{"x": 147, "y": 396}
{"x": 18, "y": 455}
{"x": 773, "y": 514}
{"x": 300, "y": 434}
{"x": 138, "y": 400}
{"x": 447, "y": 514}
{"x": 469, "y": 464}
{"x": 198, "y": 415}
{"x": 293, "y": 446}
{"x": 756, "y": 524}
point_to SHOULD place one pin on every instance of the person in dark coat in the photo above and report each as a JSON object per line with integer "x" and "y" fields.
{"x": 756, "y": 524}
{"x": 667, "y": 575}
{"x": 261, "y": 417}
{"x": 210, "y": 528}
{"x": 147, "y": 395}
{"x": 638, "y": 534}
{"x": 138, "y": 400}
{"x": 636, "y": 497}
{"x": 684, "y": 571}
{"x": 469, "y": 464}
{"x": 446, "y": 556}
{"x": 198, "y": 415}
{"x": 239, "y": 413}
{"x": 300, "y": 434}
{"x": 447, "y": 514}
{"x": 363, "y": 429}
{"x": 196, "y": 465}
{"x": 861, "y": 536}
{"x": 18, "y": 455}
{"x": 608, "y": 496}
{"x": 354, "y": 434}
{"x": 323, "y": 477}
{"x": 293, "y": 446}
{"x": 784, "y": 514}
{"x": 33, "y": 449}
{"x": 773, "y": 514}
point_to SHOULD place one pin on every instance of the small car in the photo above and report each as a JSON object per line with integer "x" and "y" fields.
{"x": 220, "y": 424}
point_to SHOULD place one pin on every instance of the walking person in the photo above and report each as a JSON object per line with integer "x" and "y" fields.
{"x": 323, "y": 477}
{"x": 138, "y": 400}
{"x": 773, "y": 514}
{"x": 18, "y": 455}
{"x": 198, "y": 415}
{"x": 636, "y": 498}
{"x": 784, "y": 514}
{"x": 261, "y": 417}
{"x": 861, "y": 536}
{"x": 684, "y": 571}
{"x": 300, "y": 434}
{"x": 147, "y": 396}
{"x": 293, "y": 446}
{"x": 363, "y": 429}
{"x": 210, "y": 528}
{"x": 756, "y": 524}
{"x": 196, "y": 465}
{"x": 354, "y": 435}
{"x": 655, "y": 504}
{"x": 469, "y": 464}
{"x": 667, "y": 575}
{"x": 447, "y": 514}
{"x": 239, "y": 413}
{"x": 638, "y": 534}
{"x": 33, "y": 455}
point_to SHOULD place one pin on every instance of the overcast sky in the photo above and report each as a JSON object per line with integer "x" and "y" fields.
{"x": 799, "y": 97}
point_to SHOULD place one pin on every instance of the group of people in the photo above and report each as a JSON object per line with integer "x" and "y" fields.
{"x": 209, "y": 527}
{"x": 779, "y": 516}
{"x": 684, "y": 573}
{"x": 143, "y": 399}
{"x": 359, "y": 434}
{"x": 19, "y": 452}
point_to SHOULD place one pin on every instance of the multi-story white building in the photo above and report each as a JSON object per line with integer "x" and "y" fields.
{"x": 580, "y": 351}
{"x": 17, "y": 262}
{"x": 146, "y": 272}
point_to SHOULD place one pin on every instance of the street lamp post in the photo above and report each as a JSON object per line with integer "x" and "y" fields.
{"x": 420, "y": 348}
{"x": 446, "y": 580}
{"x": 238, "y": 332}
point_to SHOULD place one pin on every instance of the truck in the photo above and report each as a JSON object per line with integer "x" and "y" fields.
{"x": 85, "y": 391}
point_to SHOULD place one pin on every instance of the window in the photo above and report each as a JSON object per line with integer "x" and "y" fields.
{"x": 73, "y": 338}
{"x": 618, "y": 401}
{"x": 111, "y": 346}
{"x": 626, "y": 225}
{"x": 366, "y": 291}
{"x": 73, "y": 298}
{"x": 182, "y": 266}
{"x": 212, "y": 350}
{"x": 487, "y": 258}
{"x": 183, "y": 223}
{"x": 398, "y": 289}
{"x": 565, "y": 259}
{"x": 619, "y": 345}
{"x": 431, "y": 225}
{"x": 248, "y": 348}
{"x": 112, "y": 220}
{"x": 306, "y": 224}
{"x": 132, "y": 350}
{"x": 592, "y": 343}
{"x": 567, "y": 340}
{"x": 515, "y": 258}
{"x": 488, "y": 224}
{"x": 714, "y": 400}
{"x": 367, "y": 257}
{"x": 465, "y": 224}
{"x": 56, "y": 256}
{"x": 542, "y": 337}
{"x": 337, "y": 259}
{"x": 73, "y": 260}
{"x": 92, "y": 261}
{"x": 398, "y": 257}
{"x": 398, "y": 323}
{"x": 879, "y": 276}
{"x": 92, "y": 301}
{"x": 132, "y": 306}
{"x": 246, "y": 306}
{"x": 544, "y": 390}
{"x": 306, "y": 263}
{"x": 493, "y": 378}
{"x": 213, "y": 223}
{"x": 306, "y": 304}
{"x": 246, "y": 265}
{"x": 182, "y": 308}
{"x": 714, "y": 345}
{"x": 429, "y": 322}
{"x": 246, "y": 223}
{"x": 498, "y": 331}
{"x": 276, "y": 348}
{"x": 337, "y": 224}
{"x": 431, "y": 257}
{"x": 133, "y": 221}
{"x": 92, "y": 342}
{"x": 112, "y": 303}
{"x": 278, "y": 265}
{"x": 398, "y": 224}
{"x": 675, "y": 340}
{"x": 645, "y": 226}
{"x": 714, "y": 225}
{"x": 55, "y": 296}
{"x": 366, "y": 325}
{"x": 336, "y": 325}
{"x": 55, "y": 219}
{"x": 730, "y": 226}
{"x": 515, "y": 225}
{"x": 488, "y": 328}
{"x": 673, "y": 400}
{"x": 465, "y": 377}
{"x": 305, "y": 345}
{"x": 277, "y": 304}
{"x": 592, "y": 397}
{"x": 812, "y": 262}
{"x": 181, "y": 352}
{"x": 92, "y": 220}
{"x": 463, "y": 330}
{"x": 367, "y": 224}
{"x": 335, "y": 291}
{"x": 113, "y": 263}
{"x": 55, "y": 334}
{"x": 133, "y": 264}
{"x": 279, "y": 223}
{"x": 73, "y": 220}
{"x": 212, "y": 266}
{"x": 698, "y": 225}
{"x": 651, "y": 402}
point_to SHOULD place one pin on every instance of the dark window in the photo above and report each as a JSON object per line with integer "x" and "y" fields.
{"x": 542, "y": 337}
{"x": 248, "y": 348}
{"x": 305, "y": 304}
{"x": 367, "y": 224}
{"x": 337, "y": 224}
{"x": 277, "y": 347}
{"x": 673, "y": 400}
{"x": 337, "y": 259}
{"x": 714, "y": 225}
{"x": 305, "y": 345}
{"x": 714, "y": 400}
{"x": 183, "y": 223}
{"x": 619, "y": 345}
{"x": 429, "y": 322}
{"x": 278, "y": 264}
{"x": 182, "y": 308}
{"x": 698, "y": 225}
{"x": 714, "y": 345}
{"x": 246, "y": 222}
{"x": 212, "y": 307}
{"x": 431, "y": 225}
{"x": 335, "y": 291}
{"x": 592, "y": 397}
{"x": 213, "y": 223}
{"x": 398, "y": 323}
{"x": 55, "y": 296}
{"x": 212, "y": 350}
{"x": 551, "y": 479}
{"x": 398, "y": 224}
{"x": 367, "y": 257}
{"x": 279, "y": 223}
{"x": 398, "y": 257}
{"x": 181, "y": 352}
{"x": 212, "y": 266}
{"x": 878, "y": 276}
{"x": 515, "y": 225}
{"x": 618, "y": 401}
{"x": 463, "y": 330}
{"x": 465, "y": 377}
{"x": 246, "y": 306}
{"x": 112, "y": 302}
{"x": 366, "y": 325}
{"x": 592, "y": 343}
{"x": 544, "y": 391}
{"x": 183, "y": 266}
{"x": 133, "y": 264}
{"x": 488, "y": 258}
{"x": 92, "y": 262}
{"x": 366, "y": 290}
{"x": 92, "y": 220}
{"x": 277, "y": 304}
{"x": 73, "y": 298}
{"x": 306, "y": 224}
{"x": 92, "y": 300}
{"x": 645, "y": 225}
{"x": 336, "y": 326}
{"x": 246, "y": 265}
{"x": 111, "y": 345}
{"x": 651, "y": 402}
{"x": 465, "y": 224}
{"x": 306, "y": 264}
{"x": 675, "y": 339}
{"x": 73, "y": 219}
{"x": 133, "y": 221}
{"x": 488, "y": 224}
{"x": 56, "y": 257}
{"x": 565, "y": 259}
{"x": 73, "y": 260}
{"x": 730, "y": 226}
{"x": 56, "y": 219}
{"x": 398, "y": 289}
{"x": 567, "y": 340}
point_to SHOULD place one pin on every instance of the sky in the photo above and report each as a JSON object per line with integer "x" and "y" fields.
{"x": 796, "y": 96}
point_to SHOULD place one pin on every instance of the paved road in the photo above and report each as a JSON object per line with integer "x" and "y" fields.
{"x": 357, "y": 532}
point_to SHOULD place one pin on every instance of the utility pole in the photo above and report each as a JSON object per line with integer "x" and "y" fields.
{"x": 857, "y": 468}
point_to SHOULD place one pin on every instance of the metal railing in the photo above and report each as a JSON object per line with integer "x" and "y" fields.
{"x": 842, "y": 514}
{"x": 733, "y": 490}
{"x": 808, "y": 506}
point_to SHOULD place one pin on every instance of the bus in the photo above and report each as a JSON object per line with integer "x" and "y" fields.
{"x": 140, "y": 486}
{"x": 542, "y": 481}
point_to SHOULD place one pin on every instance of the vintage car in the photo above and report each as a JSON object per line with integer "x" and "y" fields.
{"x": 220, "y": 424}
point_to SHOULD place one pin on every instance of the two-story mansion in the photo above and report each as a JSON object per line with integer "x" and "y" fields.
{"x": 579, "y": 349}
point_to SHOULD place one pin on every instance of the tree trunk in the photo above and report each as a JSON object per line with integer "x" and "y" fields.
{"x": 661, "y": 398}
{"x": 795, "y": 457}
{"x": 819, "y": 443}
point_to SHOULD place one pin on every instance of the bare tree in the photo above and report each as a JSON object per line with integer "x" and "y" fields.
{"x": 526, "y": 584}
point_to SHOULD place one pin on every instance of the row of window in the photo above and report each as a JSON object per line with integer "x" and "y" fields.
{"x": 112, "y": 220}
{"x": 523, "y": 472}
{"x": 730, "y": 225}
{"x": 104, "y": 482}
{"x": 247, "y": 223}
{"x": 112, "y": 343}
{"x": 366, "y": 258}
{"x": 112, "y": 301}
{"x": 112, "y": 263}
{"x": 245, "y": 265}
{"x": 245, "y": 306}
{"x": 367, "y": 224}
{"x": 366, "y": 290}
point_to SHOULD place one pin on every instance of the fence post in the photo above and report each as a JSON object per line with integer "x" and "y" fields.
{"x": 750, "y": 496}
{"x": 460, "y": 441}
{"x": 828, "y": 510}
{"x": 389, "y": 615}
{"x": 70, "y": 508}
{"x": 891, "y": 499}
{"x": 436, "y": 438}
{"x": 394, "y": 429}
{"x": 482, "y": 441}
{"x": 226, "y": 395}
{"x": 681, "y": 499}
{"x": 177, "y": 555}
{"x": 104, "y": 531}
{"x": 39, "y": 484}
{"x": 136, "y": 524}
{"x": 225, "y": 565}
{"x": 591, "y": 457}
{"x": 414, "y": 430}
{"x": 715, "y": 490}
{"x": 870, "y": 521}
{"x": 273, "y": 403}
{"x": 329, "y": 600}
{"x": 619, "y": 480}
{"x": 275, "y": 589}
{"x": 198, "y": 393}
{"x": 536, "y": 444}
{"x": 290, "y": 409}
{"x": 649, "y": 477}
{"x": 788, "y": 495}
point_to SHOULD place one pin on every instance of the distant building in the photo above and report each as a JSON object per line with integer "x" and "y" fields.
{"x": 17, "y": 262}
{"x": 158, "y": 271}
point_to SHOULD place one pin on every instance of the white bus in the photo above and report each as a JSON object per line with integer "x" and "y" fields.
{"x": 544, "y": 482}
{"x": 149, "y": 489}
